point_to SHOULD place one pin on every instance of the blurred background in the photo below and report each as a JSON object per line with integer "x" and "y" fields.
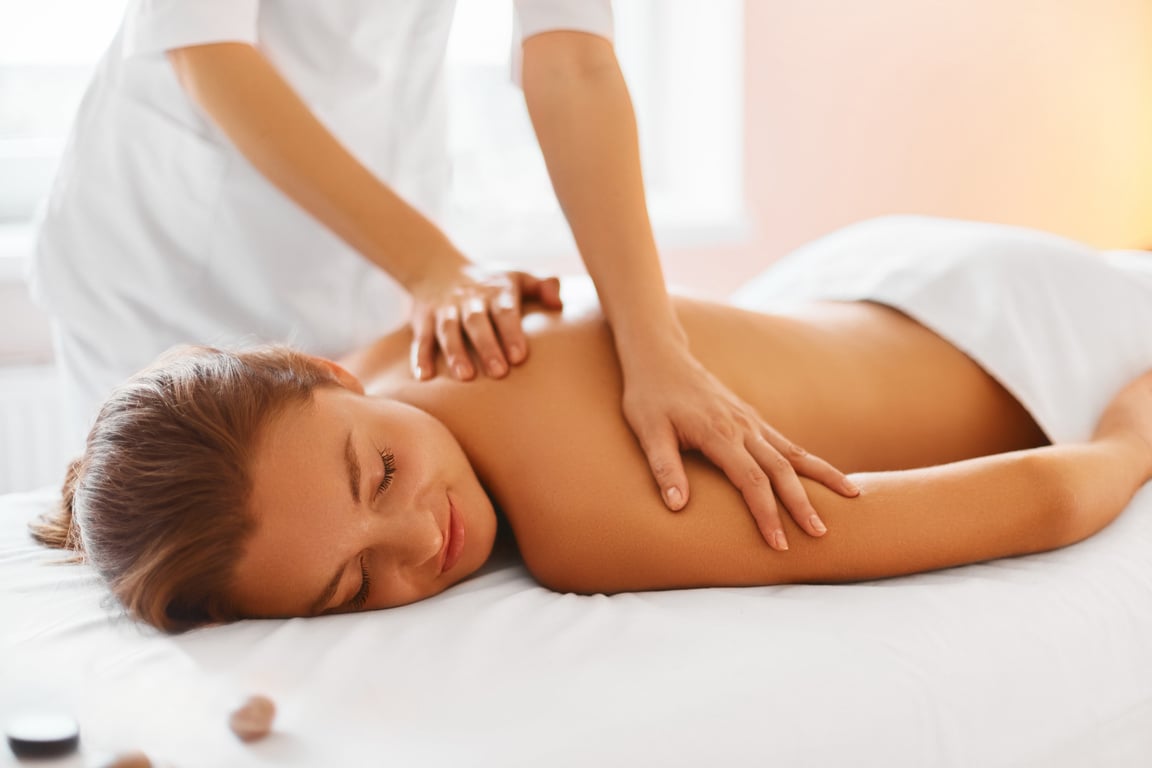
{"x": 764, "y": 124}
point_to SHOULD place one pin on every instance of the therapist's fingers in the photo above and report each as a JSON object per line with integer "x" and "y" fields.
{"x": 544, "y": 290}
{"x": 423, "y": 356}
{"x": 451, "y": 342}
{"x": 478, "y": 326}
{"x": 812, "y": 467}
{"x": 754, "y": 484}
{"x": 662, "y": 449}
{"x": 506, "y": 318}
{"x": 550, "y": 293}
{"x": 781, "y": 472}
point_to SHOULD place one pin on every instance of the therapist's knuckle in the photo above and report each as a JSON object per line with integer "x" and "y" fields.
{"x": 475, "y": 321}
{"x": 792, "y": 451}
{"x": 755, "y": 478}
{"x": 776, "y": 464}
{"x": 724, "y": 429}
{"x": 663, "y": 469}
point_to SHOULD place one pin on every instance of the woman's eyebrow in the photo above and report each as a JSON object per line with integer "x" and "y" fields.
{"x": 353, "y": 465}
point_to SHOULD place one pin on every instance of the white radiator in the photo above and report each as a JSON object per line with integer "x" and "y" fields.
{"x": 31, "y": 444}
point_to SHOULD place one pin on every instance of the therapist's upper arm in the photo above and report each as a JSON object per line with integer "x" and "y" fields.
{"x": 566, "y": 53}
{"x": 194, "y": 64}
{"x": 247, "y": 97}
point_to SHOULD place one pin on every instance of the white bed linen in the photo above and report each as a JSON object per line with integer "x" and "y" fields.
{"x": 1037, "y": 661}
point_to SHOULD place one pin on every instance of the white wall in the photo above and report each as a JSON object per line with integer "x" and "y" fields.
{"x": 1032, "y": 112}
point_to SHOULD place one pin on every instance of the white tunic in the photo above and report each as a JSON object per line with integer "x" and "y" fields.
{"x": 158, "y": 231}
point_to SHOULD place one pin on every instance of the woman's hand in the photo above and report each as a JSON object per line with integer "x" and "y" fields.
{"x": 673, "y": 403}
{"x": 478, "y": 306}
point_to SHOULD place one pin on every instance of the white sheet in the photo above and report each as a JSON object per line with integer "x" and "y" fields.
{"x": 1036, "y": 661}
{"x": 1029, "y": 662}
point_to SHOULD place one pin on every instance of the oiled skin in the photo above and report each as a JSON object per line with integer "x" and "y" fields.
{"x": 859, "y": 384}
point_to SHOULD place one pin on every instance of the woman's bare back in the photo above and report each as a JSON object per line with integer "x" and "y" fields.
{"x": 858, "y": 384}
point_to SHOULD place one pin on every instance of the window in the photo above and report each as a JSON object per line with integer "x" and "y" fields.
{"x": 682, "y": 59}
{"x": 47, "y": 52}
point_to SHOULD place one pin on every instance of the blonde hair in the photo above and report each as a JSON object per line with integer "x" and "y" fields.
{"x": 157, "y": 502}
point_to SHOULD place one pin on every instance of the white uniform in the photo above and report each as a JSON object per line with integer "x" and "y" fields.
{"x": 158, "y": 231}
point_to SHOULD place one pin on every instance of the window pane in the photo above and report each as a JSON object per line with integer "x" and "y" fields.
{"x": 47, "y": 52}
{"x": 689, "y": 113}
{"x": 56, "y": 31}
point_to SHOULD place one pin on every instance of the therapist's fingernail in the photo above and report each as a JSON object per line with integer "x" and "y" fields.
{"x": 779, "y": 540}
{"x": 462, "y": 371}
{"x": 675, "y": 498}
{"x": 515, "y": 353}
{"x": 817, "y": 524}
{"x": 420, "y": 373}
{"x": 851, "y": 487}
{"x": 497, "y": 367}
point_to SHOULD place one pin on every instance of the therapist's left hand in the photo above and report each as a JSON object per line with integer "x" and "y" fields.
{"x": 673, "y": 403}
{"x": 478, "y": 308}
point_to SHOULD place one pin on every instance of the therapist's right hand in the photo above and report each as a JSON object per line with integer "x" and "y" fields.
{"x": 479, "y": 308}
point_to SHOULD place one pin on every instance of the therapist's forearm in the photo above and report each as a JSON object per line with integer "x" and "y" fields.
{"x": 276, "y": 131}
{"x": 586, "y": 127}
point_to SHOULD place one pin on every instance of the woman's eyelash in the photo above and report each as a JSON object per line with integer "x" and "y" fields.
{"x": 389, "y": 460}
{"x": 361, "y": 597}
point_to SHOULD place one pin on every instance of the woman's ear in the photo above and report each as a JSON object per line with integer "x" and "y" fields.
{"x": 346, "y": 379}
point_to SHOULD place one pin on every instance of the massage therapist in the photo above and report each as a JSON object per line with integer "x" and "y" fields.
{"x": 272, "y": 170}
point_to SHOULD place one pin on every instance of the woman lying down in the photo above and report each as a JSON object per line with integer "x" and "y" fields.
{"x": 982, "y": 384}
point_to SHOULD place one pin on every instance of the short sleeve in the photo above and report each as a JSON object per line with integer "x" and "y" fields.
{"x": 536, "y": 16}
{"x": 155, "y": 26}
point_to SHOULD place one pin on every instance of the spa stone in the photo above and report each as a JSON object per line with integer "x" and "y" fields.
{"x": 252, "y": 720}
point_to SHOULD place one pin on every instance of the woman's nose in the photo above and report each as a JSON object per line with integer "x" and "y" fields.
{"x": 412, "y": 535}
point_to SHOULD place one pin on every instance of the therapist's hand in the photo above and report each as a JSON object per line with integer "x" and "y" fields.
{"x": 478, "y": 308}
{"x": 673, "y": 403}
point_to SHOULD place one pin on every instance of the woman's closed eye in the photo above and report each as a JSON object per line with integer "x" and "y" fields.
{"x": 389, "y": 461}
{"x": 361, "y": 597}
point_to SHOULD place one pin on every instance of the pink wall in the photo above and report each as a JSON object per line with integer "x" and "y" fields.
{"x": 1031, "y": 112}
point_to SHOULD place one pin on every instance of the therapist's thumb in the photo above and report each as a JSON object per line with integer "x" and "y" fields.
{"x": 546, "y": 291}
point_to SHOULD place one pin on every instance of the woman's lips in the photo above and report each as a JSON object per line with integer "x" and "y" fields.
{"x": 454, "y": 546}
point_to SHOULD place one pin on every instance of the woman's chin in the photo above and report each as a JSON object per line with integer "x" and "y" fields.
{"x": 481, "y": 538}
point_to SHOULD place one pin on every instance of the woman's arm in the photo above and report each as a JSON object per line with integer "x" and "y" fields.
{"x": 261, "y": 114}
{"x": 584, "y": 121}
{"x": 902, "y": 522}
{"x": 947, "y": 458}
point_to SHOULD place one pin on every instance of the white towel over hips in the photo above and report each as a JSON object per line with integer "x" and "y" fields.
{"x": 1061, "y": 325}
